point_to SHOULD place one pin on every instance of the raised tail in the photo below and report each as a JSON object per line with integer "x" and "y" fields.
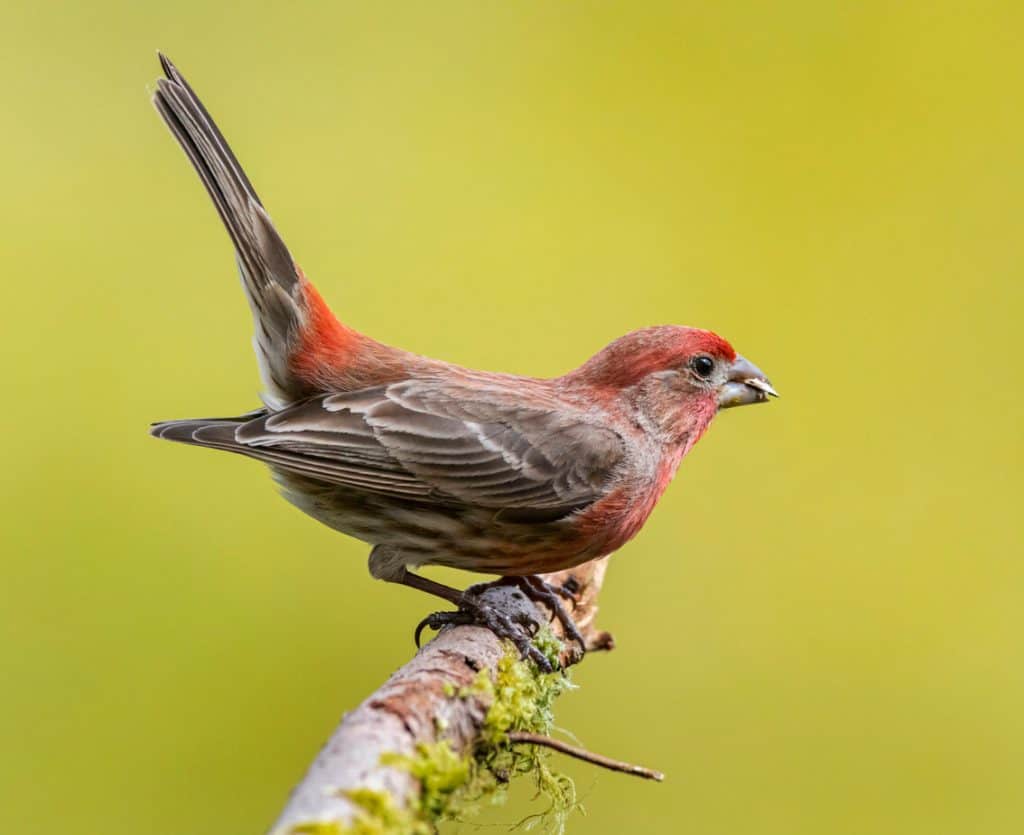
{"x": 275, "y": 287}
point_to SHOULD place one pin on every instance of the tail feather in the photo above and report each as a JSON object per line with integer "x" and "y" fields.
{"x": 221, "y": 433}
{"x": 273, "y": 283}
{"x": 211, "y": 432}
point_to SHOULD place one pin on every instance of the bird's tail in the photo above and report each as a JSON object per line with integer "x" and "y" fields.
{"x": 218, "y": 433}
{"x": 284, "y": 305}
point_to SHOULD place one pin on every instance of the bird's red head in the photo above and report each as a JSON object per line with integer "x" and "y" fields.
{"x": 678, "y": 377}
{"x": 640, "y": 353}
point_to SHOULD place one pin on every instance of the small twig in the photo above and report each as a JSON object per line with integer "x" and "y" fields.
{"x": 523, "y": 738}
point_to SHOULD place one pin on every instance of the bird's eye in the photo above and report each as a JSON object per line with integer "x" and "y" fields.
{"x": 702, "y": 365}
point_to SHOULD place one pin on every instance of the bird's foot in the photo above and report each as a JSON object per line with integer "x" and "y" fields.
{"x": 473, "y": 611}
{"x": 542, "y": 592}
{"x": 539, "y": 591}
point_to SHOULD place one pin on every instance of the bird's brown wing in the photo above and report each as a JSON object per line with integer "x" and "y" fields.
{"x": 431, "y": 441}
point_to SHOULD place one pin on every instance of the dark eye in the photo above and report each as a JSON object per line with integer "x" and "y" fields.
{"x": 702, "y": 365}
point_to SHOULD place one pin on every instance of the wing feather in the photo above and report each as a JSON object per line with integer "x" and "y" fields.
{"x": 422, "y": 439}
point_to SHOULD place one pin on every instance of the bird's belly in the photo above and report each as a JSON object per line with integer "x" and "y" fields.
{"x": 453, "y": 535}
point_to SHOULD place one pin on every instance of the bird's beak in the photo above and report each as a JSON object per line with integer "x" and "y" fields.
{"x": 746, "y": 384}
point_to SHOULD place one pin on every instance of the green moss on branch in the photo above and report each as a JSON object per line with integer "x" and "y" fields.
{"x": 452, "y": 786}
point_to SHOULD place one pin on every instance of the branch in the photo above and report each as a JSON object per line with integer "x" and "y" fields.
{"x": 434, "y": 698}
{"x": 525, "y": 738}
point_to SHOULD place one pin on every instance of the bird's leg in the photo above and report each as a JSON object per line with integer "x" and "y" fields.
{"x": 473, "y": 610}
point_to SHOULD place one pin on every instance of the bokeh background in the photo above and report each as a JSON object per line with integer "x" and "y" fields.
{"x": 821, "y": 628}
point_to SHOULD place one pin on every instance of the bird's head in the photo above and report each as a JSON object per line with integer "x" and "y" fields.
{"x": 679, "y": 377}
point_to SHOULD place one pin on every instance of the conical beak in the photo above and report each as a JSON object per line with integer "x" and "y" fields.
{"x": 746, "y": 384}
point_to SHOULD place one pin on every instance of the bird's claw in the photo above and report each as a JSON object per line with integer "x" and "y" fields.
{"x": 541, "y": 592}
{"x": 438, "y": 620}
{"x": 520, "y": 630}
{"x": 570, "y": 590}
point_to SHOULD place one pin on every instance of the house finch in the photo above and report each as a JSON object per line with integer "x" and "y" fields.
{"x": 434, "y": 464}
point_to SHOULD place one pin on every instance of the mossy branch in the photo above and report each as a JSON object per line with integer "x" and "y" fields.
{"x": 438, "y": 735}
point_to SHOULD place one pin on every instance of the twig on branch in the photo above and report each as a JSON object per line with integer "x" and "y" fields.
{"x": 432, "y": 700}
{"x": 524, "y": 738}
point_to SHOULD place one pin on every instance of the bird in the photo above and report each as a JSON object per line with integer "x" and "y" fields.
{"x": 434, "y": 464}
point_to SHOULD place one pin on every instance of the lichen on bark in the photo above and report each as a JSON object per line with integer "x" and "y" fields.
{"x": 453, "y": 785}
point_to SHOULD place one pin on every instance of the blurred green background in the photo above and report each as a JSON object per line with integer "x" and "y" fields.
{"x": 820, "y": 630}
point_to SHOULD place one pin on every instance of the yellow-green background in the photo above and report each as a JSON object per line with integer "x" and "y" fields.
{"x": 820, "y": 630}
